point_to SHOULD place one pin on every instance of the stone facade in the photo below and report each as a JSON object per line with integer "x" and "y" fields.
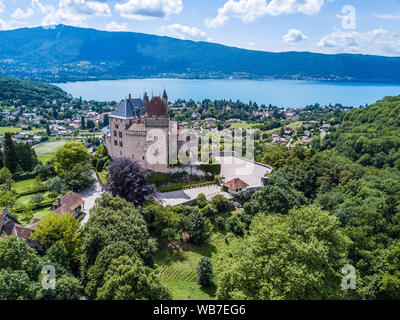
{"x": 140, "y": 129}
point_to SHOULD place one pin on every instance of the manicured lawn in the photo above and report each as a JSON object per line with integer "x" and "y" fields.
{"x": 245, "y": 125}
{"x": 24, "y": 185}
{"x": 45, "y": 151}
{"x": 42, "y": 213}
{"x": 178, "y": 268}
{"x": 3, "y": 130}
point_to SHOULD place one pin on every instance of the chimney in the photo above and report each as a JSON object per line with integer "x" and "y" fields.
{"x": 130, "y": 98}
{"x": 5, "y": 210}
{"x": 59, "y": 202}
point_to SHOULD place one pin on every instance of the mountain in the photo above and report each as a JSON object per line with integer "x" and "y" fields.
{"x": 68, "y": 53}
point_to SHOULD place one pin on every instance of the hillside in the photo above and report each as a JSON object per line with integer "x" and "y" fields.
{"x": 369, "y": 135}
{"x": 69, "y": 53}
{"x": 27, "y": 92}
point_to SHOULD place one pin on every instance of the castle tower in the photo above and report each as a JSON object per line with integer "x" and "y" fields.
{"x": 165, "y": 100}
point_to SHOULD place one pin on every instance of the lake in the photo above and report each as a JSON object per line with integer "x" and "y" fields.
{"x": 281, "y": 93}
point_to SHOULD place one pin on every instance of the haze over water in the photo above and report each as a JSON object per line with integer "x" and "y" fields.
{"x": 281, "y": 93}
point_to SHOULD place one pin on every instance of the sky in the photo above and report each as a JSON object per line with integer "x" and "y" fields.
{"x": 326, "y": 26}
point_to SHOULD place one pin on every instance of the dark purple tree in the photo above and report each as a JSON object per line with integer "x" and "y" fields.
{"x": 128, "y": 180}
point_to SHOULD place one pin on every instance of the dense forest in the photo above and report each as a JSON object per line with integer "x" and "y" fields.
{"x": 28, "y": 93}
{"x": 369, "y": 136}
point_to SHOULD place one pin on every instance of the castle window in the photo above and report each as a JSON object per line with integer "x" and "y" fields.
{"x": 120, "y": 144}
{"x": 120, "y": 134}
{"x": 115, "y": 133}
{"x": 116, "y": 126}
{"x": 143, "y": 157}
{"x": 115, "y": 142}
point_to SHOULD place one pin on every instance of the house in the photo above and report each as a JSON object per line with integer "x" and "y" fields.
{"x": 70, "y": 203}
{"x": 11, "y": 227}
{"x": 236, "y": 186}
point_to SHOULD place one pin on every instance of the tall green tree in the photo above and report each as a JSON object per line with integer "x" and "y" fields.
{"x": 294, "y": 256}
{"x": 10, "y": 154}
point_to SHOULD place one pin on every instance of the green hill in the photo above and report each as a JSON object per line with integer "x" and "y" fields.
{"x": 370, "y": 135}
{"x": 31, "y": 94}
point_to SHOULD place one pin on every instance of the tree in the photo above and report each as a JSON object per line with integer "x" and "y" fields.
{"x": 278, "y": 196}
{"x": 17, "y": 255}
{"x": 201, "y": 200}
{"x": 68, "y": 288}
{"x": 221, "y": 203}
{"x": 128, "y": 180}
{"x": 164, "y": 223}
{"x": 83, "y": 124}
{"x": 6, "y": 178}
{"x": 198, "y": 228}
{"x": 95, "y": 277}
{"x": 10, "y": 154}
{"x": 64, "y": 228}
{"x": 204, "y": 272}
{"x": 57, "y": 185}
{"x": 68, "y": 156}
{"x": 57, "y": 253}
{"x": 16, "y": 285}
{"x": 80, "y": 177}
{"x": 294, "y": 256}
{"x": 128, "y": 279}
{"x": 111, "y": 220}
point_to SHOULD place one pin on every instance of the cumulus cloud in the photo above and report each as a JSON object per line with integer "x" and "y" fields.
{"x": 76, "y": 11}
{"x": 294, "y": 36}
{"x": 251, "y": 10}
{"x": 20, "y": 14}
{"x": 148, "y": 9}
{"x": 376, "y": 42}
{"x": 113, "y": 26}
{"x": 183, "y": 32}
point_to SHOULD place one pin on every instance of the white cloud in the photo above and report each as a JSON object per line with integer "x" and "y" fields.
{"x": 294, "y": 36}
{"x": 72, "y": 12}
{"x": 20, "y": 14}
{"x": 148, "y": 9}
{"x": 113, "y": 26}
{"x": 2, "y": 6}
{"x": 43, "y": 9}
{"x": 376, "y": 42}
{"x": 4, "y": 25}
{"x": 251, "y": 10}
{"x": 183, "y": 32}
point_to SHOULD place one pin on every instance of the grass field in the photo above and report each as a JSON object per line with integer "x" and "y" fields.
{"x": 245, "y": 126}
{"x": 3, "y": 130}
{"x": 24, "y": 185}
{"x": 45, "y": 151}
{"x": 178, "y": 269}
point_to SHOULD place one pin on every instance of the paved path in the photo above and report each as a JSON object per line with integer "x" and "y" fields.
{"x": 89, "y": 196}
{"x": 248, "y": 171}
{"x": 176, "y": 198}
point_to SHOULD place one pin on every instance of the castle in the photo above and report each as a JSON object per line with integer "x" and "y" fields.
{"x": 129, "y": 133}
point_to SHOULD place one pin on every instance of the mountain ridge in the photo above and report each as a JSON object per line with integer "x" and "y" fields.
{"x": 66, "y": 53}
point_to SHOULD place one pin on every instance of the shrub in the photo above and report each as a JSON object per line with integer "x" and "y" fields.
{"x": 204, "y": 272}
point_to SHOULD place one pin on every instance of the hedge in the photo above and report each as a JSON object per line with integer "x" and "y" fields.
{"x": 213, "y": 168}
{"x": 19, "y": 176}
{"x": 176, "y": 187}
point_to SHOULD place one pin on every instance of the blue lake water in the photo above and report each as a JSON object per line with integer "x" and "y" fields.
{"x": 281, "y": 93}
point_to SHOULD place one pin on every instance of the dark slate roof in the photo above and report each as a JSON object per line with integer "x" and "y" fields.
{"x": 106, "y": 130}
{"x": 129, "y": 108}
